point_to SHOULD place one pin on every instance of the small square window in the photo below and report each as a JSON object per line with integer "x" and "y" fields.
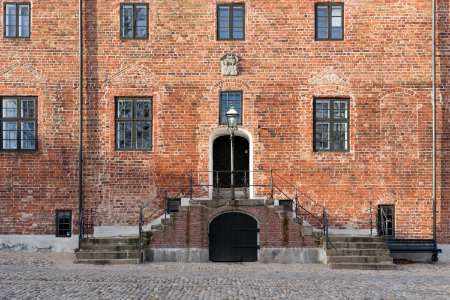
{"x": 63, "y": 223}
{"x": 134, "y": 123}
{"x": 331, "y": 125}
{"x": 173, "y": 205}
{"x": 16, "y": 20}
{"x": 329, "y": 21}
{"x": 228, "y": 99}
{"x": 134, "y": 21}
{"x": 18, "y": 123}
{"x": 230, "y": 22}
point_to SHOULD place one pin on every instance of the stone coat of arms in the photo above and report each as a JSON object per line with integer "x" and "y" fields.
{"x": 230, "y": 64}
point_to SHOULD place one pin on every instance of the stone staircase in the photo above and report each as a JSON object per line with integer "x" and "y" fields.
{"x": 363, "y": 253}
{"x": 109, "y": 251}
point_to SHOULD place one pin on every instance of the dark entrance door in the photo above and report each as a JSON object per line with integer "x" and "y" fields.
{"x": 233, "y": 238}
{"x": 222, "y": 161}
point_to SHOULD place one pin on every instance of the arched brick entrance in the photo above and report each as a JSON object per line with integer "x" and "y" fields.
{"x": 233, "y": 237}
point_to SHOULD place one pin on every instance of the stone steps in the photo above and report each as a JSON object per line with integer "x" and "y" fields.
{"x": 108, "y": 255}
{"x": 359, "y": 259}
{"x": 362, "y": 253}
{"x": 363, "y": 266}
{"x": 357, "y": 252}
{"x": 108, "y": 261}
{"x": 109, "y": 251}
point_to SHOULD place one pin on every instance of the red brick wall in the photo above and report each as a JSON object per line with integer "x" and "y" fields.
{"x": 190, "y": 230}
{"x": 382, "y": 66}
{"x": 33, "y": 185}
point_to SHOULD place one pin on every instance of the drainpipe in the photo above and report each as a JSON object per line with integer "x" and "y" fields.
{"x": 434, "y": 115}
{"x": 80, "y": 145}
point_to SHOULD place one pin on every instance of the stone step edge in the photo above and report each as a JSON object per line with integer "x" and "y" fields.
{"x": 366, "y": 266}
{"x": 116, "y": 261}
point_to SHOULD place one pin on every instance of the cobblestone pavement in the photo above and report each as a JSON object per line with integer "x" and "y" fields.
{"x": 54, "y": 276}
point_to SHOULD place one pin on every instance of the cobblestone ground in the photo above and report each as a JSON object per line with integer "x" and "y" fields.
{"x": 54, "y": 276}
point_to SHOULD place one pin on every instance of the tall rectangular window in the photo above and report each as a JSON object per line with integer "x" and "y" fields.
{"x": 329, "y": 21}
{"x": 16, "y": 20}
{"x": 331, "y": 122}
{"x": 227, "y": 99}
{"x": 134, "y": 20}
{"x": 230, "y": 22}
{"x": 18, "y": 123}
{"x": 63, "y": 223}
{"x": 134, "y": 123}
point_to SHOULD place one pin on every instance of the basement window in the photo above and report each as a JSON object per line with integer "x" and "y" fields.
{"x": 386, "y": 220}
{"x": 16, "y": 20}
{"x": 173, "y": 205}
{"x": 18, "y": 123}
{"x": 134, "y": 21}
{"x": 63, "y": 223}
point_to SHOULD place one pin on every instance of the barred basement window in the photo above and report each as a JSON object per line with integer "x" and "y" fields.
{"x": 63, "y": 223}
{"x": 329, "y": 21}
{"x": 226, "y": 100}
{"x": 16, "y": 20}
{"x": 134, "y": 20}
{"x": 331, "y": 122}
{"x": 386, "y": 220}
{"x": 18, "y": 123}
{"x": 134, "y": 123}
{"x": 230, "y": 22}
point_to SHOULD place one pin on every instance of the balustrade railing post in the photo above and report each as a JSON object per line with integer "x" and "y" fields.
{"x": 271, "y": 184}
{"x": 245, "y": 184}
{"x": 370, "y": 218}
{"x": 80, "y": 236}
{"x": 190, "y": 185}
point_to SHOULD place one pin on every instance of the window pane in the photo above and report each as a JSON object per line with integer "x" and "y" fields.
{"x": 322, "y": 109}
{"x": 224, "y": 22}
{"x": 322, "y": 136}
{"x": 322, "y": 11}
{"x": 336, "y": 33}
{"x": 9, "y": 108}
{"x": 10, "y": 20}
{"x": 141, "y": 21}
{"x": 336, "y": 21}
{"x": 127, "y": 21}
{"x": 238, "y": 33}
{"x": 336, "y": 11}
{"x": 27, "y": 109}
{"x": 340, "y": 109}
{"x": 9, "y": 135}
{"x": 340, "y": 134}
{"x": 125, "y": 109}
{"x": 143, "y": 108}
{"x": 224, "y": 12}
{"x": 143, "y": 135}
{"x": 28, "y": 134}
{"x": 124, "y": 135}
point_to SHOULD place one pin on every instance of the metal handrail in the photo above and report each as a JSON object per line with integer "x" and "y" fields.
{"x": 300, "y": 209}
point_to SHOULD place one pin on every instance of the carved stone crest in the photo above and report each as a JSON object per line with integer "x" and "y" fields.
{"x": 230, "y": 64}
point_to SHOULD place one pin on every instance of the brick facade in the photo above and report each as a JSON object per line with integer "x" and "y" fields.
{"x": 382, "y": 66}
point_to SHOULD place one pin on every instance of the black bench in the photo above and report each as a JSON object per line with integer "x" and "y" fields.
{"x": 414, "y": 246}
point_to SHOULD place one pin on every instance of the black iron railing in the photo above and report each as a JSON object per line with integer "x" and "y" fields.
{"x": 87, "y": 224}
{"x": 268, "y": 183}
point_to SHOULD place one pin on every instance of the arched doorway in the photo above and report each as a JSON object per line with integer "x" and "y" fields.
{"x": 233, "y": 237}
{"x": 222, "y": 161}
